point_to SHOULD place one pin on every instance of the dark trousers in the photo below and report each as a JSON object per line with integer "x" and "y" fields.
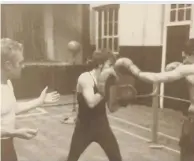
{"x": 8, "y": 152}
{"x": 187, "y": 139}
{"x": 97, "y": 131}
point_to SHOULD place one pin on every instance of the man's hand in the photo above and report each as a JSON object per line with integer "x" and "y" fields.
{"x": 51, "y": 97}
{"x": 172, "y": 66}
{"x": 25, "y": 133}
{"x": 44, "y": 98}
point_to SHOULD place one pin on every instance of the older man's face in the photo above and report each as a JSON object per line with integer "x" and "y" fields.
{"x": 14, "y": 67}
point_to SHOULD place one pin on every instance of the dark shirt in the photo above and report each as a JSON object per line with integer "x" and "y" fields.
{"x": 87, "y": 114}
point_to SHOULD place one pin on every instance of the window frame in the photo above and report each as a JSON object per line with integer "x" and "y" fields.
{"x": 100, "y": 11}
{"x": 177, "y": 9}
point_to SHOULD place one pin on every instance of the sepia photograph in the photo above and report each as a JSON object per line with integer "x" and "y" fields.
{"x": 97, "y": 81}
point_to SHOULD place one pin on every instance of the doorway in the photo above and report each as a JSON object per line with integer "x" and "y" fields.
{"x": 176, "y": 38}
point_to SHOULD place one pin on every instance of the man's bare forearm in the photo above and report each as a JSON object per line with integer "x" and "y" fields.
{"x": 149, "y": 77}
{"x": 29, "y": 105}
{"x": 163, "y": 77}
{"x": 144, "y": 76}
{"x": 8, "y": 133}
{"x": 95, "y": 100}
{"x": 169, "y": 76}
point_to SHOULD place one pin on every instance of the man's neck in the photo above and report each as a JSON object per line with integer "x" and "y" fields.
{"x": 4, "y": 78}
{"x": 94, "y": 72}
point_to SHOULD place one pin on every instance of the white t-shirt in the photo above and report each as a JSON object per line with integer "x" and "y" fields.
{"x": 8, "y": 105}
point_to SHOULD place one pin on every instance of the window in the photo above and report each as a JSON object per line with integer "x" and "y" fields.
{"x": 180, "y": 12}
{"x": 107, "y": 28}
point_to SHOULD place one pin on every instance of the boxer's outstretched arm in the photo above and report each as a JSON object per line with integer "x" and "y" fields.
{"x": 163, "y": 77}
{"x": 160, "y": 77}
{"x": 92, "y": 99}
{"x": 180, "y": 72}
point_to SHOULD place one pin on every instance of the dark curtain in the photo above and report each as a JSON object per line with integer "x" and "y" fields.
{"x": 33, "y": 32}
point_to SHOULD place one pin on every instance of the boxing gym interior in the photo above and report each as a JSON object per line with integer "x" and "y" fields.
{"x": 151, "y": 35}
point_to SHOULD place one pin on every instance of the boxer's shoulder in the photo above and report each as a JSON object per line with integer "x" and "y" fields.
{"x": 186, "y": 69}
{"x": 85, "y": 78}
{"x": 85, "y": 75}
{"x": 190, "y": 79}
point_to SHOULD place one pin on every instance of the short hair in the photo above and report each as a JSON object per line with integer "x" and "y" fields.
{"x": 9, "y": 48}
{"x": 101, "y": 56}
{"x": 189, "y": 47}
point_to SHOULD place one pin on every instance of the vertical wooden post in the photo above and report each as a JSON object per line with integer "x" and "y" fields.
{"x": 155, "y": 104}
{"x": 155, "y": 108}
{"x": 74, "y": 91}
{"x": 165, "y": 18}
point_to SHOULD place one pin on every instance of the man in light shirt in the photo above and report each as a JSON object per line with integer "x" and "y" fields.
{"x": 11, "y": 66}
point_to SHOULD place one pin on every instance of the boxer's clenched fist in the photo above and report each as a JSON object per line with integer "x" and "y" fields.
{"x": 172, "y": 66}
{"x": 125, "y": 66}
{"x": 122, "y": 65}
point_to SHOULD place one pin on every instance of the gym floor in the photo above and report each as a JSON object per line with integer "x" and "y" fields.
{"x": 130, "y": 125}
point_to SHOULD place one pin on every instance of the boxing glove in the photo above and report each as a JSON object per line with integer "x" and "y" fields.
{"x": 125, "y": 66}
{"x": 122, "y": 66}
{"x": 172, "y": 66}
{"x": 106, "y": 74}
